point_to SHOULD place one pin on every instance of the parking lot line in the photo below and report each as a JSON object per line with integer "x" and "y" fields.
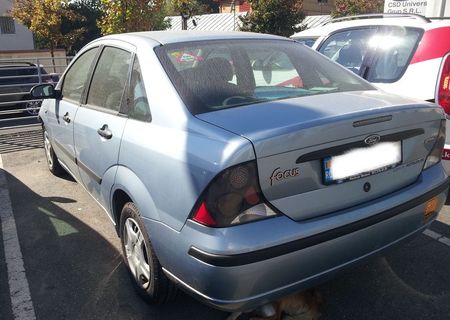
{"x": 21, "y": 303}
{"x": 437, "y": 236}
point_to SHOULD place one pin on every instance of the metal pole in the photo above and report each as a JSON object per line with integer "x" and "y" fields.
{"x": 233, "y": 6}
{"x": 442, "y": 11}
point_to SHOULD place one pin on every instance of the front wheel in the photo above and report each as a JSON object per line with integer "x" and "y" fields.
{"x": 143, "y": 265}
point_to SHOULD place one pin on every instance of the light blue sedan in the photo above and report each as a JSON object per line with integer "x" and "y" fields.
{"x": 240, "y": 167}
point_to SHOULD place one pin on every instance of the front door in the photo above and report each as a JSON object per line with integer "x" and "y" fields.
{"x": 98, "y": 124}
{"x": 63, "y": 111}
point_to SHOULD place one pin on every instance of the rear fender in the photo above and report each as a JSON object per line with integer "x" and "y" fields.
{"x": 127, "y": 181}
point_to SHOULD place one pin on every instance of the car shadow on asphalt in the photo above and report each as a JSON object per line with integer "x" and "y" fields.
{"x": 19, "y": 141}
{"x": 74, "y": 272}
{"x": 409, "y": 281}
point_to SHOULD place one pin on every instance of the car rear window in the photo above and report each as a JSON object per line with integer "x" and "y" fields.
{"x": 214, "y": 75}
{"x": 384, "y": 51}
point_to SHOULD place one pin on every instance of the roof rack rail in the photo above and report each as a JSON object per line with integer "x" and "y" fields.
{"x": 438, "y": 18}
{"x": 379, "y": 15}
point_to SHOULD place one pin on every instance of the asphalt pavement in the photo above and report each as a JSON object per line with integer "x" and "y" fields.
{"x": 74, "y": 269}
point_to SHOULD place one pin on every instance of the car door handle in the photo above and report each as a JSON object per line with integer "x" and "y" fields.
{"x": 105, "y": 132}
{"x": 66, "y": 118}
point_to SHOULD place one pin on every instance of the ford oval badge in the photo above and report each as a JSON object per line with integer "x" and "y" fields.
{"x": 371, "y": 140}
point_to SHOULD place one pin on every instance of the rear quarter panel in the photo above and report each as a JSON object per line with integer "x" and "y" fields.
{"x": 166, "y": 169}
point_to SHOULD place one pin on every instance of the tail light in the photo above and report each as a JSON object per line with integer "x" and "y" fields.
{"x": 233, "y": 197}
{"x": 436, "y": 152}
{"x": 443, "y": 89}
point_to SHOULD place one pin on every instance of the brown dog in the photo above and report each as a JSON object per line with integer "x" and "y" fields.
{"x": 303, "y": 305}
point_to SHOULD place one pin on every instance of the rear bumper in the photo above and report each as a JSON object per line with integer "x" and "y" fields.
{"x": 244, "y": 266}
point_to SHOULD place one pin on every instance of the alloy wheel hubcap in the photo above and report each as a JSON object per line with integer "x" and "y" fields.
{"x": 136, "y": 253}
{"x": 48, "y": 150}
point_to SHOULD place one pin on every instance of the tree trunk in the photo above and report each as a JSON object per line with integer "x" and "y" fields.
{"x": 52, "y": 54}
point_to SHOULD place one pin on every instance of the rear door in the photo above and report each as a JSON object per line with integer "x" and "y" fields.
{"x": 99, "y": 123}
{"x": 61, "y": 113}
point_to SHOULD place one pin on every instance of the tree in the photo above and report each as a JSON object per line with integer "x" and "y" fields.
{"x": 187, "y": 9}
{"x": 91, "y": 12}
{"x": 279, "y": 17}
{"x": 352, "y": 7}
{"x": 132, "y": 15}
{"x": 45, "y": 18}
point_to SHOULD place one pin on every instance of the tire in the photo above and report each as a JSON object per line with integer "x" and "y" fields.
{"x": 144, "y": 268}
{"x": 52, "y": 159}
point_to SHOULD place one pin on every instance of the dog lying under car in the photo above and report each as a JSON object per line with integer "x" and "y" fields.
{"x": 303, "y": 305}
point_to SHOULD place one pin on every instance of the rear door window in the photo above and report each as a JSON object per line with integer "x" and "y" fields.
{"x": 348, "y": 48}
{"x": 394, "y": 50}
{"x": 109, "y": 79}
{"x": 379, "y": 54}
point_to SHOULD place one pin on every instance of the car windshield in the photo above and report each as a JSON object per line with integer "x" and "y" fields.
{"x": 307, "y": 41}
{"x": 214, "y": 75}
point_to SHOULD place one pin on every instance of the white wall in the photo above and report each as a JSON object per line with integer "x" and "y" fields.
{"x": 434, "y": 8}
{"x": 5, "y": 5}
{"x": 21, "y": 40}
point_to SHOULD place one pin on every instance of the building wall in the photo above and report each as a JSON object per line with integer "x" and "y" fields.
{"x": 226, "y": 6}
{"x": 5, "y": 5}
{"x": 22, "y": 39}
{"x": 310, "y": 7}
{"x": 434, "y": 8}
{"x": 314, "y": 7}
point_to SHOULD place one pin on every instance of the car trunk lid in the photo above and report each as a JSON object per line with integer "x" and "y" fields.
{"x": 294, "y": 138}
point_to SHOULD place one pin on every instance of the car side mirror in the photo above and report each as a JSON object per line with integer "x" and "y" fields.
{"x": 42, "y": 91}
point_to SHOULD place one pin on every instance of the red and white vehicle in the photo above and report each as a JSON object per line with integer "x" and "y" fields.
{"x": 408, "y": 55}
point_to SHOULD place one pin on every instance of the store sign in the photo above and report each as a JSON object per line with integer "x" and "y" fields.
{"x": 406, "y": 6}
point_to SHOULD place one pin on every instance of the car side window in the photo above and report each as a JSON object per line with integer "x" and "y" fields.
{"x": 349, "y": 47}
{"x": 109, "y": 79}
{"x": 394, "y": 49}
{"x": 75, "y": 79}
{"x": 138, "y": 107}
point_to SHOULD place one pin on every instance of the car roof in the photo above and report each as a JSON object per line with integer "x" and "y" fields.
{"x": 404, "y": 21}
{"x": 167, "y": 37}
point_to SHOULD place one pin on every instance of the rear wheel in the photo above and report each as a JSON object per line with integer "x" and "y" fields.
{"x": 143, "y": 265}
{"x": 52, "y": 159}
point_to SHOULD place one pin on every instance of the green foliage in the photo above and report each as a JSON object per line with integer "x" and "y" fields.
{"x": 274, "y": 16}
{"x": 91, "y": 12}
{"x": 132, "y": 16}
{"x": 352, "y": 7}
{"x": 45, "y": 19}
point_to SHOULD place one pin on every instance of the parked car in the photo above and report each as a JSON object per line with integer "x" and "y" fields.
{"x": 240, "y": 166}
{"x": 407, "y": 55}
{"x": 16, "y": 80}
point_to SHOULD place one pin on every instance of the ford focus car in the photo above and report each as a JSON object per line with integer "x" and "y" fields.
{"x": 240, "y": 167}
{"x": 403, "y": 54}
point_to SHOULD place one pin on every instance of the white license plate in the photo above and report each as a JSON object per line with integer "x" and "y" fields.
{"x": 362, "y": 162}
